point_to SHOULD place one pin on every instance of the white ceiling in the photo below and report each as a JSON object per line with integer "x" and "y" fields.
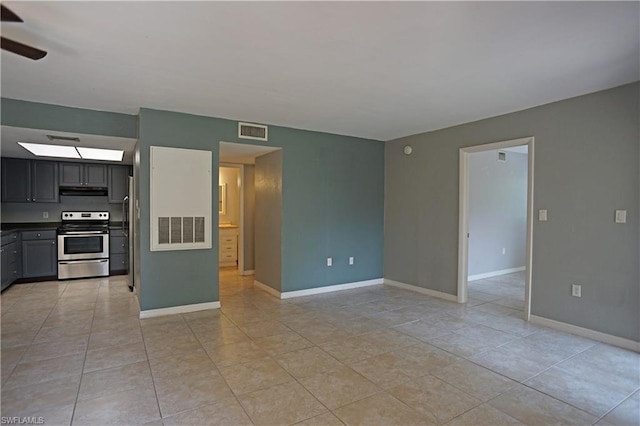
{"x": 380, "y": 70}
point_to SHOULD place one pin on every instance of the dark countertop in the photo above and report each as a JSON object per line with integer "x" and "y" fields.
{"x": 5, "y": 227}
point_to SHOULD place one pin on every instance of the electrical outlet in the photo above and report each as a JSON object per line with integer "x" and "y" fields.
{"x": 576, "y": 290}
{"x": 351, "y": 260}
{"x": 621, "y": 216}
{"x": 329, "y": 261}
{"x": 45, "y": 215}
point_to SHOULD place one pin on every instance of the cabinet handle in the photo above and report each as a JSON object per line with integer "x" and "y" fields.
{"x": 15, "y": 252}
{"x": 28, "y": 199}
{"x": 38, "y": 235}
{"x": 33, "y": 200}
{"x": 53, "y": 242}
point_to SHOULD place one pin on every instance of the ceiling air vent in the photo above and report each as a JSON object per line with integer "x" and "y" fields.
{"x": 502, "y": 156}
{"x": 252, "y": 131}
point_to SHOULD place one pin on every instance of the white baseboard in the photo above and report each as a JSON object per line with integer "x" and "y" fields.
{"x": 428, "y": 292}
{"x": 183, "y": 309}
{"x": 264, "y": 287}
{"x": 249, "y": 272}
{"x": 495, "y": 273}
{"x": 588, "y": 333}
{"x": 317, "y": 290}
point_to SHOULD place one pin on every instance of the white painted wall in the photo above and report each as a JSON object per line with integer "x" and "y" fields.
{"x": 497, "y": 212}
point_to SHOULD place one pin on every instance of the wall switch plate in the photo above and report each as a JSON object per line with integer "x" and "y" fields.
{"x": 504, "y": 250}
{"x": 351, "y": 260}
{"x": 329, "y": 261}
{"x": 542, "y": 215}
{"x": 621, "y": 216}
{"x": 576, "y": 290}
{"x": 45, "y": 215}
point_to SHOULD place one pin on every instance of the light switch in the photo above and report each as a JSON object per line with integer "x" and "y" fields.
{"x": 621, "y": 216}
{"x": 542, "y": 215}
{"x": 329, "y": 261}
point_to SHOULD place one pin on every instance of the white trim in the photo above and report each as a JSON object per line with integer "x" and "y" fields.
{"x": 428, "y": 292}
{"x": 317, "y": 290}
{"x": 496, "y": 273}
{"x": 183, "y": 309}
{"x": 588, "y": 333}
{"x": 249, "y": 272}
{"x": 463, "y": 218}
{"x": 264, "y": 287}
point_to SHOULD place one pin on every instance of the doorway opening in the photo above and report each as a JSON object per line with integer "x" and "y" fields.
{"x": 243, "y": 244}
{"x": 496, "y": 221}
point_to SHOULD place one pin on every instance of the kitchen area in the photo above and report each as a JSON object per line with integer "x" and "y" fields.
{"x": 64, "y": 220}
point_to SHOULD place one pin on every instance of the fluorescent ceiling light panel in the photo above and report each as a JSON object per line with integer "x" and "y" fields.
{"x": 100, "y": 154}
{"x": 44, "y": 150}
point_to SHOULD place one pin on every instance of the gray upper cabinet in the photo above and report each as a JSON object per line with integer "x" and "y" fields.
{"x": 79, "y": 174}
{"x": 118, "y": 183}
{"x": 25, "y": 181}
{"x": 44, "y": 182}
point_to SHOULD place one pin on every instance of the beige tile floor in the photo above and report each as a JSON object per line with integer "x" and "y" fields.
{"x": 76, "y": 352}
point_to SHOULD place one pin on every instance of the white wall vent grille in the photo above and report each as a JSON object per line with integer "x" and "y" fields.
{"x": 252, "y": 131}
{"x": 181, "y": 199}
{"x": 502, "y": 156}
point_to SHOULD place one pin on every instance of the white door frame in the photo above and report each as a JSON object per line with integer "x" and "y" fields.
{"x": 463, "y": 223}
{"x": 240, "y": 168}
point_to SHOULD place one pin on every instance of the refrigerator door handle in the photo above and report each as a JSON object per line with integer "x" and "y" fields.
{"x": 125, "y": 214}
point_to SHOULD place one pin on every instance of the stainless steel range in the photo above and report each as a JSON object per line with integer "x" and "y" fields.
{"x": 83, "y": 245}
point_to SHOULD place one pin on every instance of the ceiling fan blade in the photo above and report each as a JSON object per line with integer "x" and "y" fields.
{"x": 22, "y": 49}
{"x": 7, "y": 15}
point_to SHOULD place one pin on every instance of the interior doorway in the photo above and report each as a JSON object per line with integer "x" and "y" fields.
{"x": 244, "y": 245}
{"x": 501, "y": 149}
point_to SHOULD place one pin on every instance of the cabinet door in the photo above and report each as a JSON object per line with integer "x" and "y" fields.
{"x": 118, "y": 183}
{"x": 39, "y": 258}
{"x": 6, "y": 275}
{"x": 16, "y": 180}
{"x": 44, "y": 182}
{"x": 71, "y": 174}
{"x": 95, "y": 175}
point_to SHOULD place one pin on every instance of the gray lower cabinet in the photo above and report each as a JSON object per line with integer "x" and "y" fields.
{"x": 29, "y": 181}
{"x": 39, "y": 254}
{"x": 118, "y": 252}
{"x": 11, "y": 258}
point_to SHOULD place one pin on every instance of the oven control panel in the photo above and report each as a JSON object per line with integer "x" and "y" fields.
{"x": 85, "y": 216}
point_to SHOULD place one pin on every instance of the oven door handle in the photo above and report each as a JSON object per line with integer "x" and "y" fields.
{"x": 83, "y": 261}
{"x": 82, "y": 232}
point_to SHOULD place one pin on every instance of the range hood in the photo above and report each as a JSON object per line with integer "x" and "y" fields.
{"x": 83, "y": 191}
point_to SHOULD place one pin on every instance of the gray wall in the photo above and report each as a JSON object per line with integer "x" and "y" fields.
{"x": 35, "y": 115}
{"x": 249, "y": 217}
{"x": 332, "y": 205}
{"x": 497, "y": 211}
{"x": 268, "y": 221}
{"x": 586, "y": 167}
